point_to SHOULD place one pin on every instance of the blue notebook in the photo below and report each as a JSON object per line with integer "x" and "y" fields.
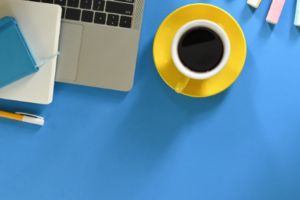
{"x": 16, "y": 60}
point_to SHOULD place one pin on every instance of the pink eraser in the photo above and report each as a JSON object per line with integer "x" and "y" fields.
{"x": 275, "y": 11}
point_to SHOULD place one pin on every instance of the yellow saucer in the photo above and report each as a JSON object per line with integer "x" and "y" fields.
{"x": 162, "y": 49}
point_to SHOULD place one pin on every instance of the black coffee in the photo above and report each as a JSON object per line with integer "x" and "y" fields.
{"x": 200, "y": 49}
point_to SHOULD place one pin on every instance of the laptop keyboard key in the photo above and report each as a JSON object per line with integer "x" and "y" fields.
{"x": 113, "y": 17}
{"x": 87, "y": 16}
{"x": 47, "y": 1}
{"x": 112, "y": 23}
{"x": 86, "y": 4}
{"x": 73, "y": 3}
{"x": 98, "y": 5}
{"x": 63, "y": 12}
{"x": 73, "y": 14}
{"x": 119, "y": 8}
{"x": 115, "y": 6}
{"x": 60, "y": 2}
{"x": 125, "y": 22}
{"x": 100, "y": 18}
{"x": 127, "y": 1}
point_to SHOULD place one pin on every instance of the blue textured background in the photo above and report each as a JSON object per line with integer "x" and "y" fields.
{"x": 152, "y": 143}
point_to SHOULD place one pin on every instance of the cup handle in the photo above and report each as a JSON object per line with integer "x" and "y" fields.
{"x": 182, "y": 84}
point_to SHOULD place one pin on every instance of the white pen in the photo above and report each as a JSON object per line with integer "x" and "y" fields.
{"x": 24, "y": 117}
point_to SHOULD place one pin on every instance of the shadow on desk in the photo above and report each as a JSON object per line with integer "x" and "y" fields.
{"x": 156, "y": 115}
{"x": 157, "y": 125}
{"x": 85, "y": 92}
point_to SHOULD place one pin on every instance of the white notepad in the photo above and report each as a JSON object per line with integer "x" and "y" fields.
{"x": 40, "y": 25}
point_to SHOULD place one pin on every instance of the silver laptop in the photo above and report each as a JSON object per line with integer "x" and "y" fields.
{"x": 99, "y": 42}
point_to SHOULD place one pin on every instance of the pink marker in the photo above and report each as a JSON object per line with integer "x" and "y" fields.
{"x": 275, "y": 11}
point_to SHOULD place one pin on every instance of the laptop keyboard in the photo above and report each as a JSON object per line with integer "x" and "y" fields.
{"x": 116, "y": 13}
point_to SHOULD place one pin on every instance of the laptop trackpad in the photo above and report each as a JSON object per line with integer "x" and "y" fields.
{"x": 69, "y": 48}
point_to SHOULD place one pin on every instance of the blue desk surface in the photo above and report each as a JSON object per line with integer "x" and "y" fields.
{"x": 152, "y": 143}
